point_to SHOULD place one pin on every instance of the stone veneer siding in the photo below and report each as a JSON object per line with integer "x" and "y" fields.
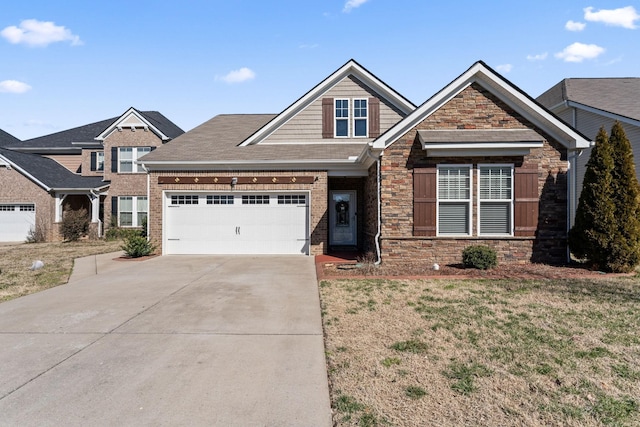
{"x": 473, "y": 108}
{"x": 319, "y": 198}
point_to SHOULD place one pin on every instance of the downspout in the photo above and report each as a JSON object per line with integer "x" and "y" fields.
{"x": 379, "y": 203}
{"x": 148, "y": 202}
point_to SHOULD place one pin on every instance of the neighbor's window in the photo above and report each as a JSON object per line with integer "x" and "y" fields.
{"x": 495, "y": 199}
{"x": 360, "y": 117}
{"x": 132, "y": 210}
{"x": 454, "y": 200}
{"x": 100, "y": 160}
{"x": 342, "y": 117}
{"x": 128, "y": 155}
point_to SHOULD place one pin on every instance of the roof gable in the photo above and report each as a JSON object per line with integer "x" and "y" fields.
{"x": 132, "y": 118}
{"x": 47, "y": 173}
{"x": 351, "y": 68}
{"x": 617, "y": 97}
{"x": 479, "y": 73}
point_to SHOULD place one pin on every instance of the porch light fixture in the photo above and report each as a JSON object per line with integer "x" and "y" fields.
{"x": 234, "y": 181}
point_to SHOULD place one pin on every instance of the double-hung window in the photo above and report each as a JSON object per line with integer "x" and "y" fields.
{"x": 454, "y": 200}
{"x": 495, "y": 199}
{"x": 351, "y": 118}
{"x": 100, "y": 160}
{"x": 132, "y": 210}
{"x": 360, "y": 116}
{"x": 342, "y": 117}
{"x": 127, "y": 157}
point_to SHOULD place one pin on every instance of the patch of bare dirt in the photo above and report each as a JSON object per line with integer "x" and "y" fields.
{"x": 420, "y": 270}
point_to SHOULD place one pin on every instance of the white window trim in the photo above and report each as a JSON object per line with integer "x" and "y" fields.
{"x": 135, "y": 168}
{"x": 469, "y": 201}
{"x": 99, "y": 160}
{"x": 511, "y": 205}
{"x": 134, "y": 211}
{"x": 354, "y": 118}
{"x": 335, "y": 118}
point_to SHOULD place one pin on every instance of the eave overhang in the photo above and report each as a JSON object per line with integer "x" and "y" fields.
{"x": 494, "y": 142}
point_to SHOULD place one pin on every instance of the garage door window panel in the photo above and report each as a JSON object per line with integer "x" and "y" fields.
{"x": 223, "y": 199}
{"x": 255, "y": 199}
{"x": 184, "y": 199}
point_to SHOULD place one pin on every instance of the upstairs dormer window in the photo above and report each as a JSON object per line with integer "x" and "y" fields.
{"x": 342, "y": 118}
{"x": 360, "y": 117}
{"x": 350, "y": 117}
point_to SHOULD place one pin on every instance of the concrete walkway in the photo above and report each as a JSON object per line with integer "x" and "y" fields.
{"x": 175, "y": 340}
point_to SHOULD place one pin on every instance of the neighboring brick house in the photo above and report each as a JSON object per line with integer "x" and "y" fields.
{"x": 355, "y": 165}
{"x": 588, "y": 104}
{"x": 96, "y": 164}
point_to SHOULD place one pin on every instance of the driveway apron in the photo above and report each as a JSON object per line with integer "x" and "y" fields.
{"x": 174, "y": 340}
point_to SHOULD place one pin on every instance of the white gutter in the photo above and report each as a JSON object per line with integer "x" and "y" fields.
{"x": 379, "y": 202}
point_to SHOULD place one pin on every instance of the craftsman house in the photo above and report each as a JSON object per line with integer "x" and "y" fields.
{"x": 354, "y": 164}
{"x": 91, "y": 167}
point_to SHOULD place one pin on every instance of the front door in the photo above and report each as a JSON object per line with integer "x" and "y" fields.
{"x": 343, "y": 229}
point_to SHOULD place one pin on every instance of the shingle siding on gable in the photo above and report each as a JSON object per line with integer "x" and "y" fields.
{"x": 306, "y": 126}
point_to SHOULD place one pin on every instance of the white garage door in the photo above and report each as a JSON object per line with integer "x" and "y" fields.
{"x": 244, "y": 223}
{"x": 16, "y": 220}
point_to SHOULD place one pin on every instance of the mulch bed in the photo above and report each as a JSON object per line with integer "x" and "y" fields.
{"x": 333, "y": 270}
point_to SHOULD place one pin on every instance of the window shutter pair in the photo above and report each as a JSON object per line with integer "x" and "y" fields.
{"x": 526, "y": 201}
{"x": 328, "y": 117}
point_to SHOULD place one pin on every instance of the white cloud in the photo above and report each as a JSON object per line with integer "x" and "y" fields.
{"x": 504, "y": 68}
{"x": 352, "y": 4}
{"x": 14, "y": 86}
{"x": 238, "y": 76}
{"x": 537, "y": 57}
{"x": 574, "y": 26}
{"x": 622, "y": 17}
{"x": 578, "y": 52}
{"x": 39, "y": 33}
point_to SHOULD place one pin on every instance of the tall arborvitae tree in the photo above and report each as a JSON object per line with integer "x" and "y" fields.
{"x": 594, "y": 223}
{"x": 625, "y": 244}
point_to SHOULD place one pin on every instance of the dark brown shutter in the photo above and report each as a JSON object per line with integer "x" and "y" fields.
{"x": 327, "y": 117}
{"x": 114, "y": 159}
{"x": 114, "y": 206}
{"x": 374, "y": 117}
{"x": 93, "y": 160}
{"x": 424, "y": 201}
{"x": 526, "y": 201}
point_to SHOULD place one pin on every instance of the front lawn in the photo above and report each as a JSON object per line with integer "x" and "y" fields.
{"x": 17, "y": 280}
{"x": 483, "y": 352}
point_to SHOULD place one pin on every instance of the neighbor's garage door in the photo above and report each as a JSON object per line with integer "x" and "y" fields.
{"x": 245, "y": 223}
{"x": 16, "y": 220}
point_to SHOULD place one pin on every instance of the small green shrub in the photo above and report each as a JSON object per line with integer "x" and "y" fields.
{"x": 118, "y": 233}
{"x": 136, "y": 246}
{"x": 480, "y": 257}
{"x": 75, "y": 224}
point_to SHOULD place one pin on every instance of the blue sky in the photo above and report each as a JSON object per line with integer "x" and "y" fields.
{"x": 66, "y": 63}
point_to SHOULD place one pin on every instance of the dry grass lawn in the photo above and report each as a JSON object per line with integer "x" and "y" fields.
{"x": 17, "y": 280}
{"x": 483, "y": 352}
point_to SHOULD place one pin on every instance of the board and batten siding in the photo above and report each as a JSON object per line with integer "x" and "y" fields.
{"x": 306, "y": 126}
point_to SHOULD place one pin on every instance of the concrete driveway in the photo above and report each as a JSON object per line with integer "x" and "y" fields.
{"x": 174, "y": 340}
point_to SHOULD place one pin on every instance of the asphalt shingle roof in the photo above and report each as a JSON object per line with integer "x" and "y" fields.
{"x": 614, "y": 95}
{"x": 218, "y": 140}
{"x": 49, "y": 172}
{"x": 7, "y": 139}
{"x": 88, "y": 133}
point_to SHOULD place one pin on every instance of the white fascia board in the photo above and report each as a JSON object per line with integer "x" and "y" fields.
{"x": 514, "y": 98}
{"x": 114, "y": 126}
{"x": 350, "y": 68}
{"x": 261, "y": 165}
{"x": 478, "y": 152}
{"x": 603, "y": 113}
{"x": 25, "y": 173}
